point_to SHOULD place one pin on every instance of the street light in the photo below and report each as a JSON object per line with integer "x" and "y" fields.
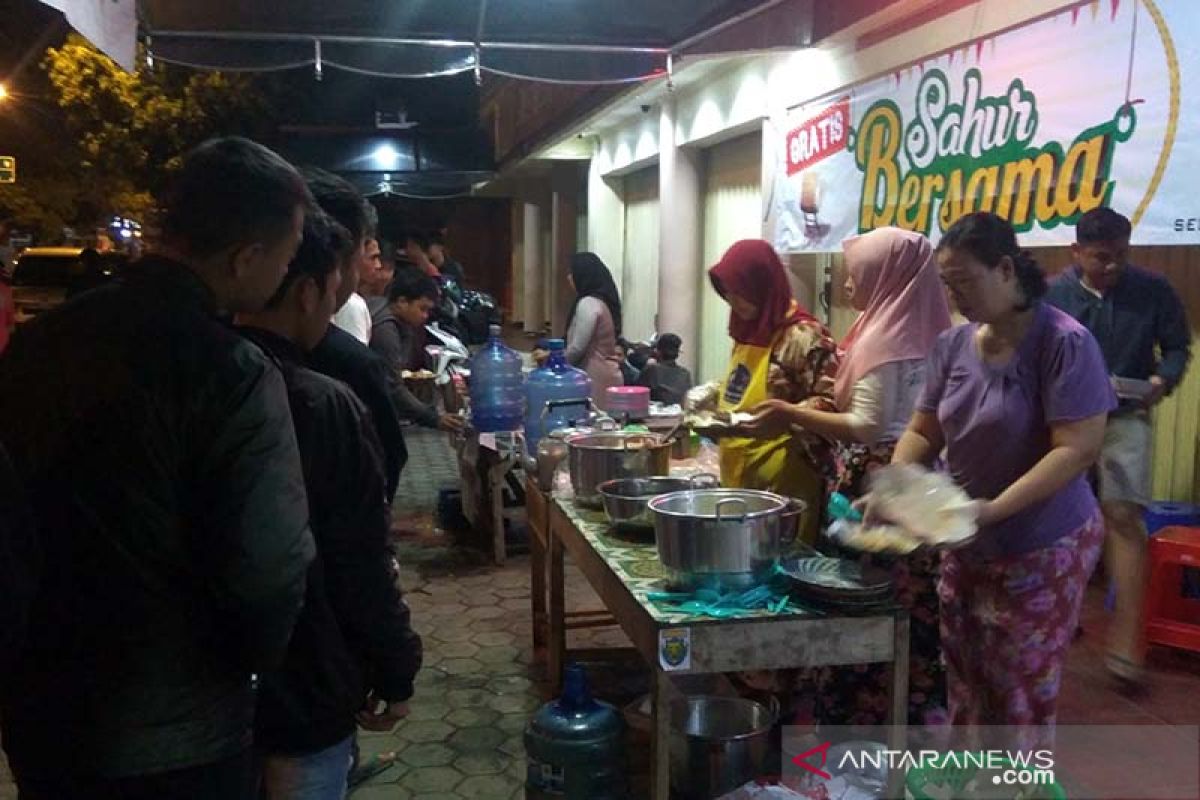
{"x": 3, "y": 92}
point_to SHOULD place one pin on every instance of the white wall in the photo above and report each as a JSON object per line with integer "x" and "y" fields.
{"x": 639, "y": 282}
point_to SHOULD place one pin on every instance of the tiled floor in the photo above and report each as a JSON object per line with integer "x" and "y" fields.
{"x": 479, "y": 685}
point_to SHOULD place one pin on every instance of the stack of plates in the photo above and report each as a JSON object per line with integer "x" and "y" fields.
{"x": 838, "y": 583}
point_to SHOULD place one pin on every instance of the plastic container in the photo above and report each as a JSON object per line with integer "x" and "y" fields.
{"x": 555, "y": 381}
{"x": 497, "y": 387}
{"x": 632, "y": 402}
{"x": 575, "y": 746}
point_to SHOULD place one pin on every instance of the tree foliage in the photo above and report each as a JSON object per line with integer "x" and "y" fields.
{"x": 125, "y": 133}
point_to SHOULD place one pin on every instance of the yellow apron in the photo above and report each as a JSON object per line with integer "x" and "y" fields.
{"x": 775, "y": 465}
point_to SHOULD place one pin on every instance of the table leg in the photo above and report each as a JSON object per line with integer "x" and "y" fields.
{"x": 558, "y": 631}
{"x": 660, "y": 742}
{"x": 898, "y": 732}
{"x": 496, "y": 479}
{"x": 537, "y": 588}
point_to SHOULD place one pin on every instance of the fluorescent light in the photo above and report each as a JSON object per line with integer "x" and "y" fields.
{"x": 386, "y": 157}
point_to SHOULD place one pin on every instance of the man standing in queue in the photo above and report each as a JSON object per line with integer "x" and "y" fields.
{"x": 1131, "y": 312}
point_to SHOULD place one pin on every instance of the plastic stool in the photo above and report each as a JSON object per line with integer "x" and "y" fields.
{"x": 1158, "y": 516}
{"x": 1171, "y": 618}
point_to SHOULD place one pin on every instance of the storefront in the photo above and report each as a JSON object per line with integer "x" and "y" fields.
{"x": 1038, "y": 111}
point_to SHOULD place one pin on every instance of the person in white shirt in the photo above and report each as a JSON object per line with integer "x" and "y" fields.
{"x": 892, "y": 280}
{"x": 354, "y": 317}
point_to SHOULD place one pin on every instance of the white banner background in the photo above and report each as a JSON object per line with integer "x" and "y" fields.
{"x": 1063, "y": 82}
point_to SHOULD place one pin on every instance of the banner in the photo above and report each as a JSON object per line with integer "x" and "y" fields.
{"x": 1094, "y": 106}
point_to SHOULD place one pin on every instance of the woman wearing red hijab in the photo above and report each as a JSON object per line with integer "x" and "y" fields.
{"x": 780, "y": 352}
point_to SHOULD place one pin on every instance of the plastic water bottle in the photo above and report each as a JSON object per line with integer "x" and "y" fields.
{"x": 556, "y": 380}
{"x": 497, "y": 387}
{"x": 575, "y": 746}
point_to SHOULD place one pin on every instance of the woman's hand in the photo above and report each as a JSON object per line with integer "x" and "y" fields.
{"x": 987, "y": 513}
{"x": 771, "y": 418}
{"x": 540, "y": 356}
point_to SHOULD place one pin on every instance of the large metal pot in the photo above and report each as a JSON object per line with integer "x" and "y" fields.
{"x": 625, "y": 499}
{"x": 718, "y": 744}
{"x": 598, "y": 457}
{"x": 722, "y": 538}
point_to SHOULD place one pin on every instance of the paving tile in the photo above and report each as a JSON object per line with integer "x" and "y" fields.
{"x": 428, "y": 754}
{"x": 482, "y": 763}
{"x": 477, "y": 740}
{"x": 513, "y": 592}
{"x": 490, "y": 625}
{"x": 515, "y": 703}
{"x": 427, "y": 709}
{"x": 371, "y": 746}
{"x": 461, "y": 699}
{"x": 470, "y": 680}
{"x": 511, "y": 685}
{"x": 513, "y": 746}
{"x": 384, "y": 792}
{"x": 494, "y": 655}
{"x": 453, "y": 633}
{"x": 457, "y": 649}
{"x": 473, "y": 715}
{"x": 426, "y": 780}
{"x": 516, "y": 604}
{"x": 490, "y": 611}
{"x": 462, "y": 666}
{"x": 486, "y": 787}
{"x": 433, "y": 731}
{"x": 513, "y": 723}
{"x": 494, "y": 638}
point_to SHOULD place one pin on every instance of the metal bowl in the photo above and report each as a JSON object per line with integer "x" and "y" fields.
{"x": 625, "y": 499}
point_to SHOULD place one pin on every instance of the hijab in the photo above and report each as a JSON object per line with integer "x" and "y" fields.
{"x": 752, "y": 270}
{"x": 592, "y": 279}
{"x": 906, "y": 304}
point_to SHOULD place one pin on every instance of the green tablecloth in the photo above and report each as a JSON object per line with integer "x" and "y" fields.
{"x": 635, "y": 561}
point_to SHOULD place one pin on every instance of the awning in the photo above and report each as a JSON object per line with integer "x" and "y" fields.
{"x": 571, "y": 41}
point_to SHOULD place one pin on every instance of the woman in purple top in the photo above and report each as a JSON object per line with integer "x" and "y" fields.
{"x": 1018, "y": 400}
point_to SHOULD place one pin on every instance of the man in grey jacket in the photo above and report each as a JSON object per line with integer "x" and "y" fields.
{"x": 161, "y": 467}
{"x": 410, "y": 299}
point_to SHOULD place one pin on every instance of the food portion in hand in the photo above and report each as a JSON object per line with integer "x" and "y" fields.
{"x": 878, "y": 539}
{"x": 715, "y": 422}
{"x": 418, "y": 375}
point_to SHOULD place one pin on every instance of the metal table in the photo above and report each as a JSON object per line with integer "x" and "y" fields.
{"x": 622, "y": 572}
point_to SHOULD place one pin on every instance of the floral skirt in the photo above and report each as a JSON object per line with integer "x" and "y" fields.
{"x": 1007, "y": 624}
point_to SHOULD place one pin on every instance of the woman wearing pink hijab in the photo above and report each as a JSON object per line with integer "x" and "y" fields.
{"x": 893, "y": 281}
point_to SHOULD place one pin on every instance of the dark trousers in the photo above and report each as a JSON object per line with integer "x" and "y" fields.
{"x": 231, "y": 779}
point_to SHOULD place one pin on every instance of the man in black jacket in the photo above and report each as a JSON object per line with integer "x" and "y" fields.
{"x": 339, "y": 355}
{"x": 353, "y": 638}
{"x": 160, "y": 462}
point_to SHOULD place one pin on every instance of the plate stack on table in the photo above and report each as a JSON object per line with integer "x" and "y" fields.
{"x": 837, "y": 583}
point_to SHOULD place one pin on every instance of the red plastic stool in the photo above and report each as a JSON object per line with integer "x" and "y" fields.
{"x": 1171, "y": 618}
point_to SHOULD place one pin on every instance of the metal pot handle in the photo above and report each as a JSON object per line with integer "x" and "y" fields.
{"x": 731, "y": 501}
{"x": 704, "y": 480}
{"x": 792, "y": 514}
{"x": 607, "y": 425}
{"x": 550, "y": 405}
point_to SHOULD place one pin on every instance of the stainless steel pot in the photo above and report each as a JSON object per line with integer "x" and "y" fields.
{"x": 598, "y": 457}
{"x": 625, "y": 499}
{"x": 718, "y": 744}
{"x": 722, "y": 538}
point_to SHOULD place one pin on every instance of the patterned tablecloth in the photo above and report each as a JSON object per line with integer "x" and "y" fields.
{"x": 635, "y": 561}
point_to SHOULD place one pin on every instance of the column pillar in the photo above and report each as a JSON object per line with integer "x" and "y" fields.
{"x": 564, "y": 210}
{"x": 533, "y": 318}
{"x": 680, "y": 175}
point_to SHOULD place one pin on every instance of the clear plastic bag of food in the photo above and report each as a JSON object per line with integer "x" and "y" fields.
{"x": 928, "y": 505}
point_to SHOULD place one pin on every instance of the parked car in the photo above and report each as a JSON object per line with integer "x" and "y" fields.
{"x": 44, "y": 277}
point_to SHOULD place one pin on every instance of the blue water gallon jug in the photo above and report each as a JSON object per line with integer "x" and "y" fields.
{"x": 558, "y": 381}
{"x": 497, "y": 387}
{"x": 575, "y": 746}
